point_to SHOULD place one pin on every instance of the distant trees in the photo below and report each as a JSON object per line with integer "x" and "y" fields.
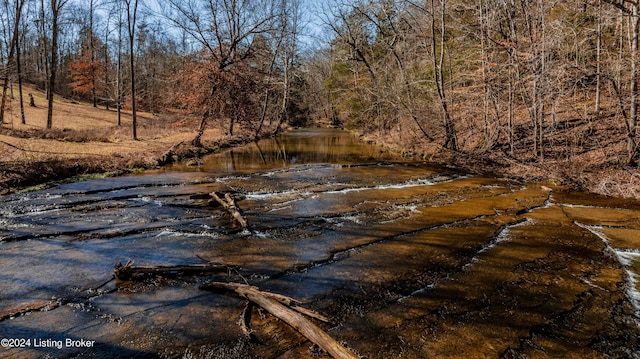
{"x": 241, "y": 42}
{"x": 87, "y": 69}
{"x": 460, "y": 75}
{"x": 447, "y": 69}
{"x": 631, "y": 10}
{"x": 387, "y": 56}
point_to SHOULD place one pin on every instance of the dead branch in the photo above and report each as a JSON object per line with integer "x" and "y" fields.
{"x": 310, "y": 313}
{"x": 273, "y": 303}
{"x": 167, "y": 157}
{"x": 128, "y": 272}
{"x": 245, "y": 321}
{"x": 230, "y": 205}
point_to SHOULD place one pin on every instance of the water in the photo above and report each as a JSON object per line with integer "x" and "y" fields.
{"x": 406, "y": 259}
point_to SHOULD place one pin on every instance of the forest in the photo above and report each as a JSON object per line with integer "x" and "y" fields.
{"x": 530, "y": 88}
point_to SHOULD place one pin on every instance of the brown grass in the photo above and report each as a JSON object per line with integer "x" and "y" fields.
{"x": 583, "y": 151}
{"x": 83, "y": 140}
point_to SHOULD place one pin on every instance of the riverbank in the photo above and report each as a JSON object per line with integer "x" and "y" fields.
{"x": 87, "y": 142}
{"x": 597, "y": 164}
{"x": 403, "y": 260}
{"x": 38, "y": 157}
{"x": 52, "y": 157}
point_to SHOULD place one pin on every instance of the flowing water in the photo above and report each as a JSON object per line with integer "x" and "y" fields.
{"x": 406, "y": 259}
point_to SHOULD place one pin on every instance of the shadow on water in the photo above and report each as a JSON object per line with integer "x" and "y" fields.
{"x": 406, "y": 258}
{"x": 43, "y": 344}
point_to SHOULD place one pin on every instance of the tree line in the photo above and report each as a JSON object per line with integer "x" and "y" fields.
{"x": 448, "y": 68}
{"x": 220, "y": 60}
{"x": 511, "y": 73}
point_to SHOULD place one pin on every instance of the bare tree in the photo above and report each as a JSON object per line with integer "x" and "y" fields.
{"x": 118, "y": 86}
{"x": 13, "y": 46}
{"x": 225, "y": 29}
{"x": 92, "y": 50}
{"x": 132, "y": 12}
{"x": 632, "y": 9}
{"x": 56, "y": 9}
{"x": 289, "y": 23}
{"x": 386, "y": 19}
{"x": 20, "y": 70}
{"x": 598, "y": 56}
{"x": 351, "y": 30}
{"x": 451, "y": 141}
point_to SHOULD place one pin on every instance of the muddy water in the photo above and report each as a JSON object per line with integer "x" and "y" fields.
{"x": 406, "y": 259}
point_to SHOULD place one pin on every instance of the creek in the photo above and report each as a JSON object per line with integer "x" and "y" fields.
{"x": 407, "y": 259}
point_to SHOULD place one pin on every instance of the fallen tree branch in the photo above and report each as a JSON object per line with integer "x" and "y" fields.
{"x": 245, "y": 321}
{"x": 273, "y": 303}
{"x": 167, "y": 157}
{"x": 230, "y": 205}
{"x": 128, "y": 272}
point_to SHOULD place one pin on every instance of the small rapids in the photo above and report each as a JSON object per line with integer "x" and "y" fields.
{"x": 406, "y": 259}
{"x": 629, "y": 259}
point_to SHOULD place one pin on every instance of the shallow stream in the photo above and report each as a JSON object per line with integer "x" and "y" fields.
{"x": 406, "y": 259}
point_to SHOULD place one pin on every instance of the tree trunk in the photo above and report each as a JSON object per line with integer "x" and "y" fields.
{"x": 598, "y": 57}
{"x": 286, "y": 67}
{"x": 119, "y": 69}
{"x": 56, "y": 7}
{"x": 131, "y": 22}
{"x": 45, "y": 51}
{"x": 12, "y": 49}
{"x": 438, "y": 62}
{"x": 485, "y": 86}
{"x": 543, "y": 76}
{"x": 19, "y": 69}
{"x": 92, "y": 55}
{"x": 510, "y": 115}
{"x": 632, "y": 146}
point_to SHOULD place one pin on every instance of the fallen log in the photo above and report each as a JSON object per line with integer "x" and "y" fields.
{"x": 273, "y": 303}
{"x": 230, "y": 205}
{"x": 127, "y": 272}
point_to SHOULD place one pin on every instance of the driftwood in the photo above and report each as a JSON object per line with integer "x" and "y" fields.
{"x": 284, "y": 308}
{"x": 245, "y": 321}
{"x": 230, "y": 205}
{"x": 128, "y": 272}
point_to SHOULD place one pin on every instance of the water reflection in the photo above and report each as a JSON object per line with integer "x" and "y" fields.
{"x": 405, "y": 258}
{"x": 306, "y": 146}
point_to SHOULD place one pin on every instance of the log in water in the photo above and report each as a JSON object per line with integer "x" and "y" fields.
{"x": 404, "y": 259}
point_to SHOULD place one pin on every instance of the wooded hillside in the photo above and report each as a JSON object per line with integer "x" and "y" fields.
{"x": 541, "y": 88}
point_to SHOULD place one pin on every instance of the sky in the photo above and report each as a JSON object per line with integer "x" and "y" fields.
{"x": 313, "y": 34}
